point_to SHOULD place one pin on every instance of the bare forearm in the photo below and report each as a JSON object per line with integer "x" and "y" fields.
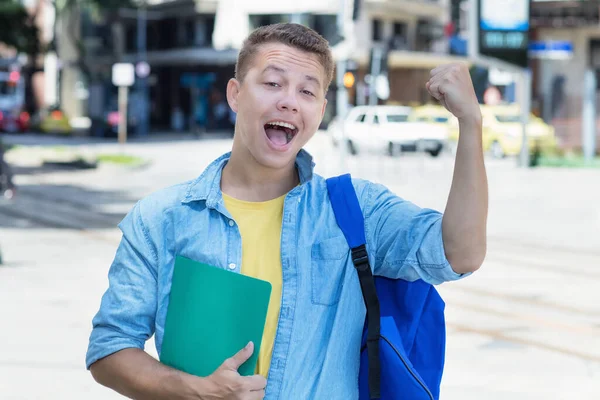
{"x": 135, "y": 374}
{"x": 465, "y": 217}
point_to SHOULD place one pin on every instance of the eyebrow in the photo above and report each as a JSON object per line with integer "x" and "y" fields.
{"x": 283, "y": 71}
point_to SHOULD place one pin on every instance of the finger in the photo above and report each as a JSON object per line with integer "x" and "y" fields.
{"x": 435, "y": 90}
{"x": 441, "y": 70}
{"x": 240, "y": 357}
{"x": 438, "y": 69}
{"x": 440, "y": 77}
{"x": 436, "y": 87}
{"x": 438, "y": 82}
{"x": 255, "y": 382}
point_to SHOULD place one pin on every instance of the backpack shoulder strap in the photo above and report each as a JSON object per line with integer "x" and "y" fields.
{"x": 347, "y": 209}
{"x": 349, "y": 217}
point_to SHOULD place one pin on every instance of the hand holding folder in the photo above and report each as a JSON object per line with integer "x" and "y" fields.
{"x": 212, "y": 314}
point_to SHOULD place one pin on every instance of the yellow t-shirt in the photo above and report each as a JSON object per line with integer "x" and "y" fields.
{"x": 260, "y": 227}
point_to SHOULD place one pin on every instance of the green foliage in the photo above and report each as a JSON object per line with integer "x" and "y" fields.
{"x": 121, "y": 159}
{"x": 17, "y": 28}
{"x": 571, "y": 160}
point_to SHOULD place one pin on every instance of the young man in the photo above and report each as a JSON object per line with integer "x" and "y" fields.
{"x": 261, "y": 211}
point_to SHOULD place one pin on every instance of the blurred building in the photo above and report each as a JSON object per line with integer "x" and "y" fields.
{"x": 191, "y": 48}
{"x": 574, "y": 28}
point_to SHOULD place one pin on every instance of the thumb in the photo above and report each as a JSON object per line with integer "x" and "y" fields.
{"x": 240, "y": 357}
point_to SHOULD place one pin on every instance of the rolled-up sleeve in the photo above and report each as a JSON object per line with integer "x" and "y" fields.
{"x": 406, "y": 240}
{"x": 128, "y": 307}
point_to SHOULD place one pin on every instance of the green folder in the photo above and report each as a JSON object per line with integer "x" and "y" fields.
{"x": 212, "y": 314}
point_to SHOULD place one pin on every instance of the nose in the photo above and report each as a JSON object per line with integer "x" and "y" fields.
{"x": 288, "y": 102}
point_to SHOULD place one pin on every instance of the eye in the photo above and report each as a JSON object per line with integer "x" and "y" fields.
{"x": 272, "y": 84}
{"x": 308, "y": 92}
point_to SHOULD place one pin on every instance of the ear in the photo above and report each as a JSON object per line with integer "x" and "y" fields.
{"x": 323, "y": 110}
{"x": 233, "y": 91}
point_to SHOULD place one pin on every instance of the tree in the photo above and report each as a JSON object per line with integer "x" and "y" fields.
{"x": 18, "y": 28}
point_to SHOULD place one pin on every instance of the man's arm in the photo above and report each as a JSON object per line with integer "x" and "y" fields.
{"x": 136, "y": 375}
{"x": 125, "y": 321}
{"x": 404, "y": 240}
{"x": 465, "y": 218}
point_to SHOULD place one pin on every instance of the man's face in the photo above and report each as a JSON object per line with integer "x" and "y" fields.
{"x": 279, "y": 104}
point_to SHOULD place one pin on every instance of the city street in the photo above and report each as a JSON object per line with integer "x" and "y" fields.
{"x": 524, "y": 327}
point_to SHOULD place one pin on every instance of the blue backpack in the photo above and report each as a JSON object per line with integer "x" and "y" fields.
{"x": 404, "y": 339}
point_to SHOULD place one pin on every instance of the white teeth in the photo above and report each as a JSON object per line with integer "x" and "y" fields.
{"x": 284, "y": 124}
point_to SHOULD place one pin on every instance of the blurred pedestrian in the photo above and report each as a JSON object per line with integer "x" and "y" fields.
{"x": 7, "y": 187}
{"x": 261, "y": 210}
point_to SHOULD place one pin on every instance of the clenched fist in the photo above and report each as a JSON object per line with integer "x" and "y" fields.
{"x": 451, "y": 85}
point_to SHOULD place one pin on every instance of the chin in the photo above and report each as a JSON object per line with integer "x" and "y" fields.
{"x": 275, "y": 160}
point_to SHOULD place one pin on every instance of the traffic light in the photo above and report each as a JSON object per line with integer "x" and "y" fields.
{"x": 349, "y": 79}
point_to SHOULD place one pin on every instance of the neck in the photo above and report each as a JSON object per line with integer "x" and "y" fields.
{"x": 245, "y": 179}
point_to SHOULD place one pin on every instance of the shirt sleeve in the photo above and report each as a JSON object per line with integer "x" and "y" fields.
{"x": 406, "y": 240}
{"x": 127, "y": 311}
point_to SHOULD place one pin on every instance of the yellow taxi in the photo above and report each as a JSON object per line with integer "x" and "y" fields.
{"x": 432, "y": 113}
{"x": 502, "y": 132}
{"x": 435, "y": 115}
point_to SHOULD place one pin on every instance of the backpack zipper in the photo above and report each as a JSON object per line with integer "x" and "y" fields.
{"x": 407, "y": 367}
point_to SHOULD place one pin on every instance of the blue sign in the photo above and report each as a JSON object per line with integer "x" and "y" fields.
{"x": 551, "y": 46}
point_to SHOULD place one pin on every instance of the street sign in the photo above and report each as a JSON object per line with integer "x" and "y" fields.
{"x": 123, "y": 74}
{"x": 382, "y": 87}
{"x": 504, "y": 30}
{"x": 551, "y": 50}
{"x": 498, "y": 77}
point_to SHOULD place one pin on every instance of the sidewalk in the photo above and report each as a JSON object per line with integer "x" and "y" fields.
{"x": 524, "y": 327}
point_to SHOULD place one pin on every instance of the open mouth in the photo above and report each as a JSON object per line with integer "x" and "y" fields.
{"x": 280, "y": 133}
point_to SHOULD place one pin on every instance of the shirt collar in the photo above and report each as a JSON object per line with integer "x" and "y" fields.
{"x": 207, "y": 187}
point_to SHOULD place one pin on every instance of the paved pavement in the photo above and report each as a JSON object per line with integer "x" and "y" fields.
{"x": 526, "y": 326}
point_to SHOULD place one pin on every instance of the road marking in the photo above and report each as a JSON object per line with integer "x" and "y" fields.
{"x": 527, "y": 342}
{"x": 525, "y": 300}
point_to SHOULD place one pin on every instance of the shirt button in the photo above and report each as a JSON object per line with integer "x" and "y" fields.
{"x": 231, "y": 223}
{"x": 232, "y": 266}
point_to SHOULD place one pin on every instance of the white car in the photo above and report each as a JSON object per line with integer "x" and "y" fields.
{"x": 387, "y": 129}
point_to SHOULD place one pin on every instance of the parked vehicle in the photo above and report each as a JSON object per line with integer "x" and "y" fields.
{"x": 15, "y": 120}
{"x": 388, "y": 129}
{"x": 13, "y": 117}
{"x": 434, "y": 114}
{"x": 502, "y": 131}
{"x": 52, "y": 120}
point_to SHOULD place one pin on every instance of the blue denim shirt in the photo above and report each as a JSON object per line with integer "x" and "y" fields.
{"x": 316, "y": 350}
